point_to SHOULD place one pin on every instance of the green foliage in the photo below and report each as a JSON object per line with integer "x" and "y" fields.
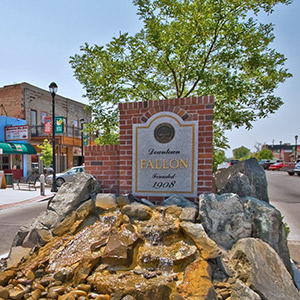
{"x": 220, "y": 142}
{"x": 46, "y": 153}
{"x": 188, "y": 48}
{"x": 264, "y": 154}
{"x": 286, "y": 227}
{"x": 241, "y": 153}
{"x": 219, "y": 157}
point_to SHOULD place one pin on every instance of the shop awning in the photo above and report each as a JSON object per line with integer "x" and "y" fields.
{"x": 17, "y": 148}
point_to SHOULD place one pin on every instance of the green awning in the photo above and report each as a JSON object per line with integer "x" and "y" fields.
{"x": 17, "y": 148}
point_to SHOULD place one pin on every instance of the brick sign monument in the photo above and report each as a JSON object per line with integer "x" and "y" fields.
{"x": 165, "y": 148}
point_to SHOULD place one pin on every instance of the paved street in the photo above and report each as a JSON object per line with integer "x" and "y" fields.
{"x": 284, "y": 194}
{"x": 11, "y": 219}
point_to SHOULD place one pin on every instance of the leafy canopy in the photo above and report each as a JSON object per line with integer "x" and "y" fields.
{"x": 188, "y": 48}
{"x": 241, "y": 152}
{"x": 264, "y": 154}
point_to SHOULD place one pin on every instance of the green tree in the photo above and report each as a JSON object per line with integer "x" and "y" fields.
{"x": 187, "y": 48}
{"x": 219, "y": 157}
{"x": 241, "y": 152}
{"x": 46, "y": 153}
{"x": 264, "y": 154}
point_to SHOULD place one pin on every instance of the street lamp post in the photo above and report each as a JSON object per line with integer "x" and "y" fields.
{"x": 82, "y": 153}
{"x": 53, "y": 90}
{"x": 296, "y": 138}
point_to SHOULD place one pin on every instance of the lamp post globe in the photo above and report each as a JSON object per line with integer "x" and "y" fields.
{"x": 53, "y": 90}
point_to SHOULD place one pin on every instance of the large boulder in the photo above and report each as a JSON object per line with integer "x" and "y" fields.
{"x": 224, "y": 218}
{"x": 247, "y": 178}
{"x": 258, "y": 266}
{"x": 60, "y": 212}
{"x": 268, "y": 226}
{"x": 227, "y": 218}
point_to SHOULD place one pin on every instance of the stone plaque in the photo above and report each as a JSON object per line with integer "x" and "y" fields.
{"x": 165, "y": 156}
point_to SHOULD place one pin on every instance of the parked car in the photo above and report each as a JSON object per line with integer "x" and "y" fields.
{"x": 233, "y": 162}
{"x": 297, "y": 169}
{"x": 276, "y": 166}
{"x": 265, "y": 163}
{"x": 66, "y": 176}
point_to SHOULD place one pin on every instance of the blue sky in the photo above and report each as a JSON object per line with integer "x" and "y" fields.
{"x": 37, "y": 37}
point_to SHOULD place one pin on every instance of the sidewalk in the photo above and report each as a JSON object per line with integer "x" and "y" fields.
{"x": 10, "y": 197}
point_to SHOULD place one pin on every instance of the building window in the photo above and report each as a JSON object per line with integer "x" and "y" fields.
{"x": 33, "y": 122}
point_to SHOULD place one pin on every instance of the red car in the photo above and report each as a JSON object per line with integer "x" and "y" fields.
{"x": 276, "y": 166}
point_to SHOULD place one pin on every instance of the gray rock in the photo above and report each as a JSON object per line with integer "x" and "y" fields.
{"x": 247, "y": 178}
{"x": 188, "y": 214}
{"x": 72, "y": 194}
{"x": 267, "y": 225}
{"x": 224, "y": 218}
{"x": 242, "y": 291}
{"x": 177, "y": 200}
{"x": 260, "y": 267}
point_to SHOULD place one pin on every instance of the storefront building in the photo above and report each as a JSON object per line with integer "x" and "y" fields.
{"x": 34, "y": 105}
{"x": 15, "y": 151}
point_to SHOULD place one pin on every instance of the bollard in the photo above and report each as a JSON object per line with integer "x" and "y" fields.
{"x": 42, "y": 183}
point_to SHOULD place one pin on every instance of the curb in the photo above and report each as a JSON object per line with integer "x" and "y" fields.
{"x": 35, "y": 199}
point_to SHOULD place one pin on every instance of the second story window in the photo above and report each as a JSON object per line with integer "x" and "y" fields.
{"x": 33, "y": 122}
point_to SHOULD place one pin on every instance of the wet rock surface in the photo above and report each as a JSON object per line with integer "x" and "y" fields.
{"x": 110, "y": 247}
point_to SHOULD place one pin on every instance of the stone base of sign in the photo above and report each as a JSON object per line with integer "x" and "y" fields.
{"x": 113, "y": 165}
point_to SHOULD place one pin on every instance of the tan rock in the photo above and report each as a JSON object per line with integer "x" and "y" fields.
{"x": 16, "y": 255}
{"x": 84, "y": 210}
{"x": 65, "y": 225}
{"x": 58, "y": 289}
{"x": 68, "y": 296}
{"x": 84, "y": 287}
{"x": 79, "y": 293}
{"x": 45, "y": 235}
{"x": 122, "y": 200}
{"x": 208, "y": 248}
{"x": 16, "y": 294}
{"x": 173, "y": 210}
{"x": 105, "y": 201}
{"x": 167, "y": 258}
{"x": 103, "y": 297}
{"x": 137, "y": 211}
{"x": 4, "y": 292}
{"x": 196, "y": 283}
{"x": 258, "y": 265}
{"x": 5, "y": 276}
{"x": 36, "y": 294}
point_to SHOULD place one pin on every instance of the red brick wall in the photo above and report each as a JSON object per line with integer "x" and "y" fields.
{"x": 103, "y": 163}
{"x": 11, "y": 97}
{"x": 189, "y": 109}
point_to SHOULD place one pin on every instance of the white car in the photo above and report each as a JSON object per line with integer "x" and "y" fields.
{"x": 66, "y": 176}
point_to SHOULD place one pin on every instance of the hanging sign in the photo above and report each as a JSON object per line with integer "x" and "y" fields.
{"x": 16, "y": 133}
{"x": 59, "y": 125}
{"x": 48, "y": 125}
{"x": 85, "y": 140}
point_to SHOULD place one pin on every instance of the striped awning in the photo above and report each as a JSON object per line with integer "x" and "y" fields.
{"x": 17, "y": 148}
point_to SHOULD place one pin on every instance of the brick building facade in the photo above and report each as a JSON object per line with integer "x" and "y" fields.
{"x": 28, "y": 102}
{"x": 112, "y": 164}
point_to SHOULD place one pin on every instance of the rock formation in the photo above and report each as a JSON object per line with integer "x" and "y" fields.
{"x": 103, "y": 246}
{"x": 247, "y": 178}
